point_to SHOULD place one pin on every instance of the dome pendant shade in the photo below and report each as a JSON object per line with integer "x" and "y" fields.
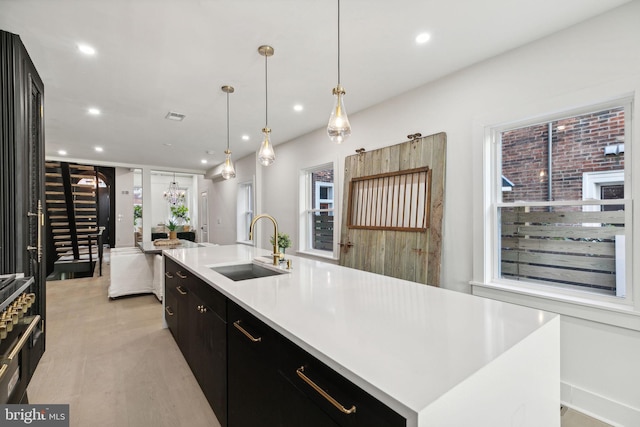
{"x": 228, "y": 171}
{"x": 266, "y": 154}
{"x": 339, "y": 127}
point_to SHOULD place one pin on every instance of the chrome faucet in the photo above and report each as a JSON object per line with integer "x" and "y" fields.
{"x": 276, "y": 253}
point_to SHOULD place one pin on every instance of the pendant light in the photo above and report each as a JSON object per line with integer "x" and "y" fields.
{"x": 266, "y": 155}
{"x": 339, "y": 128}
{"x": 228, "y": 171}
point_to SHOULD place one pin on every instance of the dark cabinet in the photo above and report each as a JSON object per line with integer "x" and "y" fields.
{"x": 176, "y": 304}
{"x": 252, "y": 371}
{"x": 251, "y": 374}
{"x": 208, "y": 348}
{"x": 196, "y": 315}
{"x": 23, "y": 248}
{"x": 273, "y": 382}
{"x": 325, "y": 396}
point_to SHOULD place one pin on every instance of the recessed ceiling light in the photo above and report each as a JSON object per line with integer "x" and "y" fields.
{"x": 171, "y": 115}
{"x": 99, "y": 149}
{"x": 298, "y": 107}
{"x": 423, "y": 38}
{"x": 86, "y": 49}
{"x": 203, "y": 161}
{"x": 62, "y": 152}
{"x": 94, "y": 111}
{"x": 245, "y": 137}
{"x": 167, "y": 144}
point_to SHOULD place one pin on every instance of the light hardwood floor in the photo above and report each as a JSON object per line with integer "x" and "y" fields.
{"x": 115, "y": 365}
{"x": 112, "y": 361}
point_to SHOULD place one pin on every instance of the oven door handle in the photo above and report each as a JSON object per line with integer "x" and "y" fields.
{"x": 23, "y": 339}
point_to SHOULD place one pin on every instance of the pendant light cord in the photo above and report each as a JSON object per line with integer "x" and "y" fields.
{"x": 338, "y": 42}
{"x": 266, "y": 94}
{"x": 227, "y": 121}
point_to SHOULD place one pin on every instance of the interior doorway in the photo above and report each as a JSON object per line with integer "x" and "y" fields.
{"x": 204, "y": 217}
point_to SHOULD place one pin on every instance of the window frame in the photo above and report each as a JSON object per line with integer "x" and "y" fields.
{"x": 245, "y": 203}
{"x": 613, "y": 310}
{"x": 306, "y": 209}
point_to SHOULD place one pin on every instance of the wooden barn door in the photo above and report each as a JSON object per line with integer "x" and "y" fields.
{"x": 392, "y": 210}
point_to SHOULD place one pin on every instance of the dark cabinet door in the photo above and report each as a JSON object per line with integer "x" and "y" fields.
{"x": 208, "y": 354}
{"x": 252, "y": 354}
{"x": 325, "y": 396}
{"x": 176, "y": 292}
{"x": 22, "y": 219}
{"x": 171, "y": 312}
{"x": 196, "y": 315}
{"x": 299, "y": 410}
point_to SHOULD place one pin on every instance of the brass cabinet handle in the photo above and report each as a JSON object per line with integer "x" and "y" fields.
{"x": 180, "y": 275}
{"x": 25, "y": 336}
{"x": 169, "y": 311}
{"x": 2, "y": 370}
{"x": 300, "y": 372}
{"x": 168, "y": 275}
{"x": 181, "y": 290}
{"x": 236, "y": 324}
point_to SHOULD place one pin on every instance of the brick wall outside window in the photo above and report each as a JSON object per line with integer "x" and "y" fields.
{"x": 576, "y": 148}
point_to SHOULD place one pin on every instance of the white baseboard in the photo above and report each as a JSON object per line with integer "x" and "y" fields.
{"x": 599, "y": 407}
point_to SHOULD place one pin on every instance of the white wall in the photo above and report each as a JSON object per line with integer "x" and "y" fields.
{"x": 124, "y": 207}
{"x": 588, "y": 63}
{"x": 222, "y": 201}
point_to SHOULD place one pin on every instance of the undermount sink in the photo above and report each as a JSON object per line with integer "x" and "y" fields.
{"x": 237, "y": 272}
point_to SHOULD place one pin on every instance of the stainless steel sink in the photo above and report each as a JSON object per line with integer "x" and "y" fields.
{"x": 237, "y": 272}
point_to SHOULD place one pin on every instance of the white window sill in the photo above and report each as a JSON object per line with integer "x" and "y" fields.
{"x": 620, "y": 315}
{"x": 318, "y": 254}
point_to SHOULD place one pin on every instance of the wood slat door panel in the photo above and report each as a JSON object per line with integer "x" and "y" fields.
{"x": 410, "y": 255}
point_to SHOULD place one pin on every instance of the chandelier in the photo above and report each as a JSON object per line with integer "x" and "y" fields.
{"x": 174, "y": 194}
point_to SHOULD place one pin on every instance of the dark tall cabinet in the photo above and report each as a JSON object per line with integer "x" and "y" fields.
{"x": 22, "y": 219}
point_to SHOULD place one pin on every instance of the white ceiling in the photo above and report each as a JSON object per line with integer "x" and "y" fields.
{"x": 156, "y": 56}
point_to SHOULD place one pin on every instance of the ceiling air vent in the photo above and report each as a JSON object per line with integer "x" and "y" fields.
{"x": 175, "y": 116}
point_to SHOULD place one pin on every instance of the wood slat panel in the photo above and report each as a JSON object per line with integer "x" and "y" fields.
{"x": 553, "y": 231}
{"x": 568, "y": 246}
{"x": 606, "y": 217}
{"x": 560, "y": 274}
{"x": 560, "y": 260}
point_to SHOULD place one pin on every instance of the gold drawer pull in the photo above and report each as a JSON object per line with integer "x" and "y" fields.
{"x": 25, "y": 336}
{"x": 246, "y": 334}
{"x": 168, "y": 275}
{"x": 169, "y": 311}
{"x": 181, "y": 290}
{"x": 180, "y": 275}
{"x": 300, "y": 372}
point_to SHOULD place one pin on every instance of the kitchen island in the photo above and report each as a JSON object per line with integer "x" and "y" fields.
{"x": 433, "y": 356}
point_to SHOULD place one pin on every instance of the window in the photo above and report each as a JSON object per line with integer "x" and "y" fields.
{"x": 559, "y": 222}
{"x": 244, "y": 211}
{"x": 317, "y": 210}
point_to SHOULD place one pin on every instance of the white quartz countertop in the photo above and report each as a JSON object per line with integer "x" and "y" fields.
{"x": 405, "y": 343}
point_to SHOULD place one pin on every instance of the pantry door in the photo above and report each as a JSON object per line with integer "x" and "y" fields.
{"x": 392, "y": 210}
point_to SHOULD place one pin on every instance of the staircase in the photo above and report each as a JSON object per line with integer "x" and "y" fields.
{"x": 71, "y": 201}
